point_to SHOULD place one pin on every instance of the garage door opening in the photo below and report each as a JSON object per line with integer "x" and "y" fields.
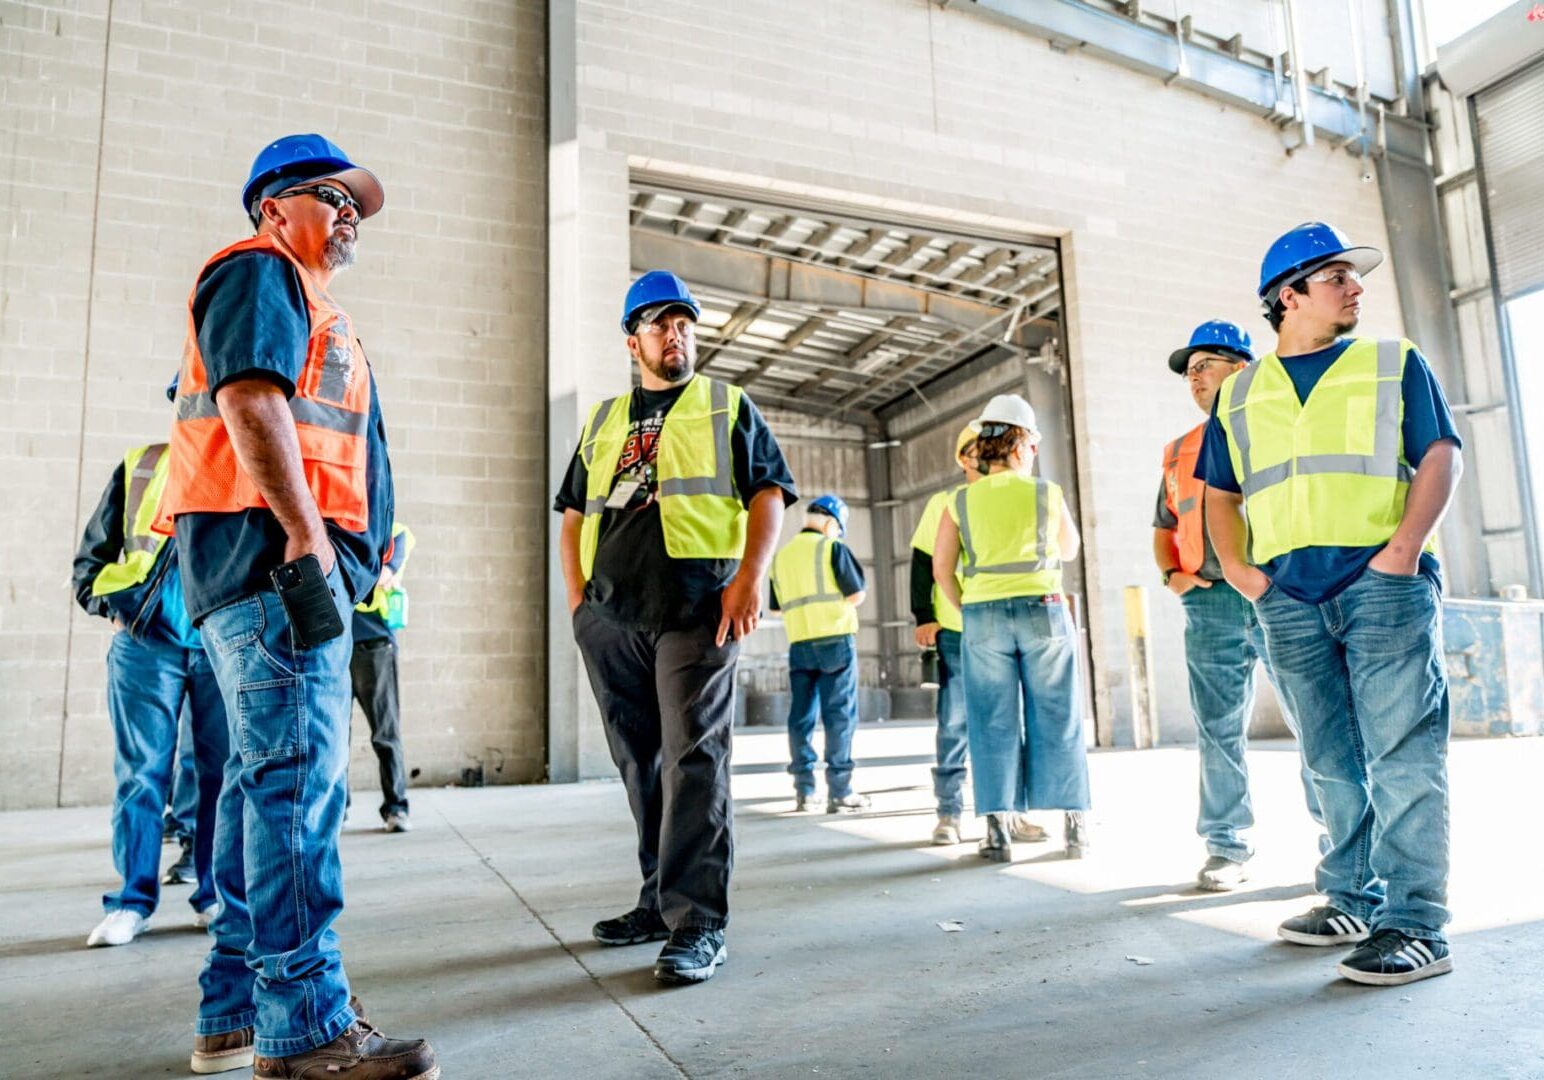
{"x": 868, "y": 344}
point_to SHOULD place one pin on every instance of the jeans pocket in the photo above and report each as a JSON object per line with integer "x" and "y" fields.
{"x": 234, "y": 625}
{"x": 269, "y": 719}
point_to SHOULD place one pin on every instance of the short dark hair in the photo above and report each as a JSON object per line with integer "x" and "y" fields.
{"x": 1278, "y": 310}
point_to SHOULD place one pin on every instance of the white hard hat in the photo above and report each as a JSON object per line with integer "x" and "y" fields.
{"x": 1010, "y": 409}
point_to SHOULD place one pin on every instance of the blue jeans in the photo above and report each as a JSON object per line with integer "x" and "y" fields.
{"x": 147, "y": 682}
{"x": 275, "y": 961}
{"x": 949, "y": 774}
{"x": 823, "y": 676}
{"x": 1364, "y": 675}
{"x": 1223, "y": 641}
{"x": 182, "y": 808}
{"x": 1022, "y": 707}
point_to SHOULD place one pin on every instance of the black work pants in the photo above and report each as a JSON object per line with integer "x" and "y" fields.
{"x": 667, "y": 699}
{"x": 373, "y": 671}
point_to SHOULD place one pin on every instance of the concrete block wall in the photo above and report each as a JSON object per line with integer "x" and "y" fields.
{"x": 1164, "y": 201}
{"x": 128, "y": 128}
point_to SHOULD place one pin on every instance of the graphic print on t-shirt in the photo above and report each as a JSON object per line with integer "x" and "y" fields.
{"x": 636, "y": 463}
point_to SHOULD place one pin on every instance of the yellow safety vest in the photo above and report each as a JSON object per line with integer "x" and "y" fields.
{"x": 145, "y": 469}
{"x": 1010, "y": 536}
{"x": 378, "y": 601}
{"x": 700, "y": 512}
{"x": 804, "y": 576}
{"x": 1328, "y": 472}
{"x": 927, "y": 532}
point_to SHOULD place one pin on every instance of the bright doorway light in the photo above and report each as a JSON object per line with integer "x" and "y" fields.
{"x": 1449, "y": 19}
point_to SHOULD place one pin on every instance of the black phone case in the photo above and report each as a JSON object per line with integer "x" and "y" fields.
{"x": 307, "y": 600}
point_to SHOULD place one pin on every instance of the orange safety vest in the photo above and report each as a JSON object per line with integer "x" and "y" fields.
{"x": 1182, "y": 492}
{"x": 331, "y": 408}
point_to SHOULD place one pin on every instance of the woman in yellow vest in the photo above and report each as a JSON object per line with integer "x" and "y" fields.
{"x": 1009, "y": 532}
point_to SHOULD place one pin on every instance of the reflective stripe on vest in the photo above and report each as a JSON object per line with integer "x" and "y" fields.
{"x": 1183, "y": 496}
{"x": 1298, "y": 493}
{"x": 807, "y": 590}
{"x": 995, "y": 503}
{"x": 145, "y": 470}
{"x": 700, "y": 513}
{"x": 330, "y": 406}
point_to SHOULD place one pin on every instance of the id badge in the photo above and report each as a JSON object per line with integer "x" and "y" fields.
{"x": 622, "y": 493}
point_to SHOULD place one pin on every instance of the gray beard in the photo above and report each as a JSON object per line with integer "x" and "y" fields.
{"x": 338, "y": 254}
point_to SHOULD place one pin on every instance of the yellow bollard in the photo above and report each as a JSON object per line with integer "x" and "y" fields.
{"x": 1139, "y": 654}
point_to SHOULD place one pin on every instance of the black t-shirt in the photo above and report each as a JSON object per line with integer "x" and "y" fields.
{"x": 249, "y": 312}
{"x": 635, "y": 583}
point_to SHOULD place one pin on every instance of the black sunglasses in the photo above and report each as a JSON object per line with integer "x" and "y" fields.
{"x": 328, "y": 194}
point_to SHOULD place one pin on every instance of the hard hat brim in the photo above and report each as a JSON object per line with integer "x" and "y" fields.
{"x": 1179, "y": 359}
{"x": 362, "y": 184}
{"x": 1364, "y": 260}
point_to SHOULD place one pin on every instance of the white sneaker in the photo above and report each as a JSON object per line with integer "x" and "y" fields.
{"x": 119, "y": 928}
{"x": 202, "y": 919}
{"x": 1221, "y": 875}
{"x": 947, "y": 831}
{"x": 398, "y": 823}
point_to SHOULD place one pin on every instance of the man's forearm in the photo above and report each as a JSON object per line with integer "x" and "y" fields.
{"x": 761, "y": 532}
{"x": 1163, "y": 550}
{"x": 1430, "y": 492}
{"x": 568, "y": 556}
{"x": 1225, "y": 525}
{"x": 262, "y": 431}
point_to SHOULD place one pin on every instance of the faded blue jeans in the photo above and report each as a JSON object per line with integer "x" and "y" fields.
{"x": 182, "y": 807}
{"x": 1023, "y": 706}
{"x": 949, "y": 773}
{"x": 1364, "y": 675}
{"x": 147, "y": 683}
{"x": 823, "y": 678}
{"x": 1223, "y": 642}
{"x": 275, "y": 961}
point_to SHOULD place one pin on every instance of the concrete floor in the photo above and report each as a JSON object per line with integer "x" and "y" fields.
{"x": 474, "y": 930}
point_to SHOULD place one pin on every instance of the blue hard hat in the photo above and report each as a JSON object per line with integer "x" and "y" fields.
{"x": 296, "y": 159}
{"x": 653, "y": 289}
{"x": 1214, "y": 335}
{"x": 831, "y": 506}
{"x": 1304, "y": 249}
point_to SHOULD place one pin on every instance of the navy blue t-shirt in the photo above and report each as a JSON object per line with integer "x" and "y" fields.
{"x": 249, "y": 312}
{"x": 1316, "y": 574}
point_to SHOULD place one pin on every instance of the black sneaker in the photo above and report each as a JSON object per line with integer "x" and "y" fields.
{"x": 1393, "y": 958}
{"x": 692, "y": 955}
{"x": 634, "y": 928}
{"x": 1324, "y": 925}
{"x": 181, "y": 871}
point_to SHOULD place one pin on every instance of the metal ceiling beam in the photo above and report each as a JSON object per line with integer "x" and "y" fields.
{"x": 804, "y": 406}
{"x": 744, "y": 314}
{"x": 776, "y": 277}
{"x": 794, "y": 339}
{"x": 1219, "y": 75}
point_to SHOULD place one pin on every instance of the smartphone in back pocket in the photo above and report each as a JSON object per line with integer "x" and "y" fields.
{"x": 308, "y": 601}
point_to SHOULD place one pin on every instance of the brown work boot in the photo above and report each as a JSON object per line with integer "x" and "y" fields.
{"x": 360, "y": 1053}
{"x": 223, "y": 1052}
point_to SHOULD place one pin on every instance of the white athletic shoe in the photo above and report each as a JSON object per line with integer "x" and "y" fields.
{"x": 398, "y": 823}
{"x": 947, "y": 831}
{"x": 1221, "y": 875}
{"x": 202, "y": 919}
{"x": 118, "y": 928}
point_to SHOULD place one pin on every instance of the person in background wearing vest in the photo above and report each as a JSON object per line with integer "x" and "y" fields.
{"x": 128, "y": 574}
{"x": 373, "y": 672}
{"x": 1342, "y": 456}
{"x": 939, "y": 626}
{"x": 671, "y": 508}
{"x": 280, "y": 477}
{"x": 1022, "y": 695}
{"x": 1223, "y": 640}
{"x": 818, "y": 586}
